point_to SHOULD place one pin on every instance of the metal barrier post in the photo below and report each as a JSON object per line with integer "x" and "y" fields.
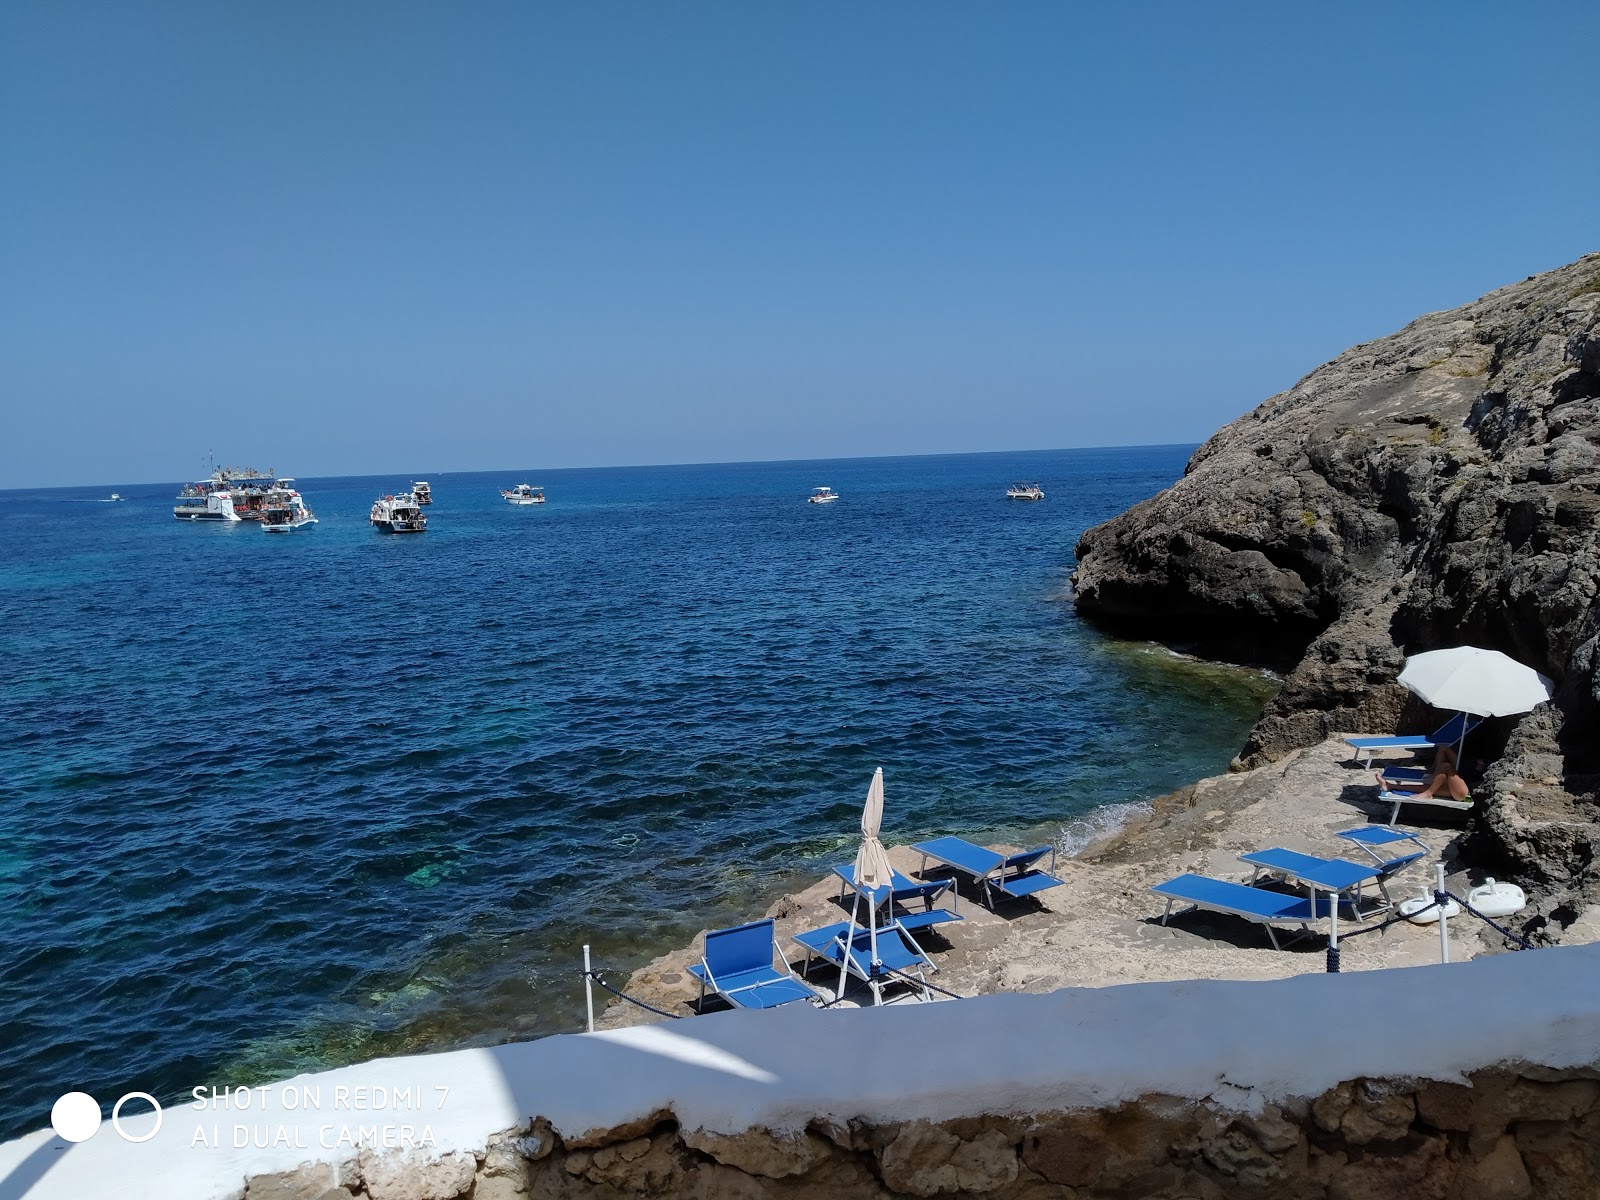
{"x": 1333, "y": 932}
{"x": 1444, "y": 921}
{"x": 588, "y": 987}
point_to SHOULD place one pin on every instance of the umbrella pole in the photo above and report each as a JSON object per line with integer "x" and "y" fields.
{"x": 877, "y": 963}
{"x": 849, "y": 940}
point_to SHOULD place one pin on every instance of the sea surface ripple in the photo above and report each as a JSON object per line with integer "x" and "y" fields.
{"x": 276, "y": 803}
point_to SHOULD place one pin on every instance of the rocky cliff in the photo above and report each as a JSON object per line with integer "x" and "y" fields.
{"x": 1437, "y": 487}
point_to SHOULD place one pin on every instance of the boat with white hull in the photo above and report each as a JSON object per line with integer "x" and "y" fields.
{"x": 822, "y": 495}
{"x": 1025, "y": 491}
{"x": 227, "y": 494}
{"x": 422, "y": 492}
{"x": 398, "y": 514}
{"x": 286, "y": 510}
{"x": 523, "y": 494}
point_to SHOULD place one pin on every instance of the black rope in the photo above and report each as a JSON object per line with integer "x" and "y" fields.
{"x": 1384, "y": 924}
{"x": 848, "y": 992}
{"x": 1522, "y": 943}
{"x": 923, "y": 982}
{"x": 595, "y": 975}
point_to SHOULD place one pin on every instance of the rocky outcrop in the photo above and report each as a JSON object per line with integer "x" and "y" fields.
{"x": 1505, "y": 1134}
{"x": 1438, "y": 487}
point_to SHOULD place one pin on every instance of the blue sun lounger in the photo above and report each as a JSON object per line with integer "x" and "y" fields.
{"x": 1253, "y": 904}
{"x": 1010, "y": 875}
{"x": 904, "y": 893}
{"x": 1336, "y": 876}
{"x": 1378, "y": 842}
{"x": 1448, "y": 734}
{"x": 737, "y": 966}
{"x": 897, "y": 951}
{"x": 1395, "y": 799}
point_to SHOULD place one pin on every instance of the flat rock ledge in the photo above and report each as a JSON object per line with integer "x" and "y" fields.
{"x": 1507, "y": 1133}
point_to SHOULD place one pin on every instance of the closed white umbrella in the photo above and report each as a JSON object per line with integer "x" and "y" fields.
{"x": 871, "y": 870}
{"x": 1467, "y": 679}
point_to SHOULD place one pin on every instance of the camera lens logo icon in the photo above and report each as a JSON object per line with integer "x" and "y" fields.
{"x": 76, "y": 1117}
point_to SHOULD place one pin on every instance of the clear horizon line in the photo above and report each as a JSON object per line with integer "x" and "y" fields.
{"x": 733, "y": 462}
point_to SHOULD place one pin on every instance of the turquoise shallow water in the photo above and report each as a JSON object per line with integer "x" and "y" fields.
{"x": 282, "y": 802}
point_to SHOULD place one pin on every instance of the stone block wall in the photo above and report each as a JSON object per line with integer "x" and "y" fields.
{"x": 1507, "y": 1134}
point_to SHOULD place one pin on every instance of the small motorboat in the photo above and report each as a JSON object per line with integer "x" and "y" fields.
{"x": 286, "y": 510}
{"x": 118, "y": 496}
{"x": 398, "y": 514}
{"x": 1025, "y": 491}
{"x": 523, "y": 494}
{"x": 422, "y": 492}
{"x": 822, "y": 495}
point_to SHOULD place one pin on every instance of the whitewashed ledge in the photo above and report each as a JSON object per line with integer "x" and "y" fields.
{"x": 1233, "y": 1047}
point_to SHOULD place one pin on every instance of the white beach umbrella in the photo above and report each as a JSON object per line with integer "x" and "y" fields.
{"x": 1467, "y": 679}
{"x": 871, "y": 870}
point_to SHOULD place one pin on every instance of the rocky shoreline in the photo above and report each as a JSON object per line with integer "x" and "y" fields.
{"x": 1437, "y": 487}
{"x": 1103, "y": 926}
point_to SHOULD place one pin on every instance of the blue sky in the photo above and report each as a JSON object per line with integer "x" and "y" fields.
{"x": 398, "y": 237}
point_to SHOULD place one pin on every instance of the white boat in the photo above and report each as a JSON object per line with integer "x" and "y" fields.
{"x": 523, "y": 494}
{"x": 822, "y": 495}
{"x": 1025, "y": 491}
{"x": 228, "y": 494}
{"x": 286, "y": 510}
{"x": 118, "y": 496}
{"x": 398, "y": 514}
{"x": 422, "y": 492}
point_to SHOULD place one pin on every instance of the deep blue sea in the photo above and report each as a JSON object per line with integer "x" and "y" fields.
{"x": 274, "y": 803}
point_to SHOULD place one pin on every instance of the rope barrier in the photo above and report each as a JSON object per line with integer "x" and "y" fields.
{"x": 595, "y": 975}
{"x": 923, "y": 982}
{"x": 1522, "y": 943}
{"x": 1439, "y": 899}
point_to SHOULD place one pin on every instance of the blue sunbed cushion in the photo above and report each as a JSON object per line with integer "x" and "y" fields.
{"x": 746, "y": 992}
{"x": 1449, "y": 733}
{"x": 1025, "y": 885}
{"x": 770, "y": 995}
{"x": 1329, "y": 874}
{"x": 1376, "y": 835}
{"x": 742, "y": 948}
{"x": 1254, "y": 903}
{"x": 962, "y": 854}
{"x": 924, "y": 920}
{"x": 894, "y": 950}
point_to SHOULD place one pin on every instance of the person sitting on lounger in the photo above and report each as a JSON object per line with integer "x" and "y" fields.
{"x": 1444, "y": 782}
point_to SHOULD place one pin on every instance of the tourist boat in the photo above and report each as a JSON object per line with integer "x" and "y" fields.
{"x": 286, "y": 510}
{"x": 523, "y": 494}
{"x": 1025, "y": 491}
{"x": 227, "y": 494}
{"x": 822, "y": 495}
{"x": 422, "y": 492}
{"x": 398, "y": 514}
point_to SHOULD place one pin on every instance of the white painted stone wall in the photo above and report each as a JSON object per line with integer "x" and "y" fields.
{"x": 1235, "y": 1046}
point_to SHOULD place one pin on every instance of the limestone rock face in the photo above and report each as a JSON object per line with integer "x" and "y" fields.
{"x": 1437, "y": 487}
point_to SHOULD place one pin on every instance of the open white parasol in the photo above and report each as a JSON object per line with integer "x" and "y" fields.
{"x": 1467, "y": 679}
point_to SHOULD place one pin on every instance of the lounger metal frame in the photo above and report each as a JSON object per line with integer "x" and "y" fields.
{"x": 1265, "y": 920}
{"x": 995, "y": 877}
